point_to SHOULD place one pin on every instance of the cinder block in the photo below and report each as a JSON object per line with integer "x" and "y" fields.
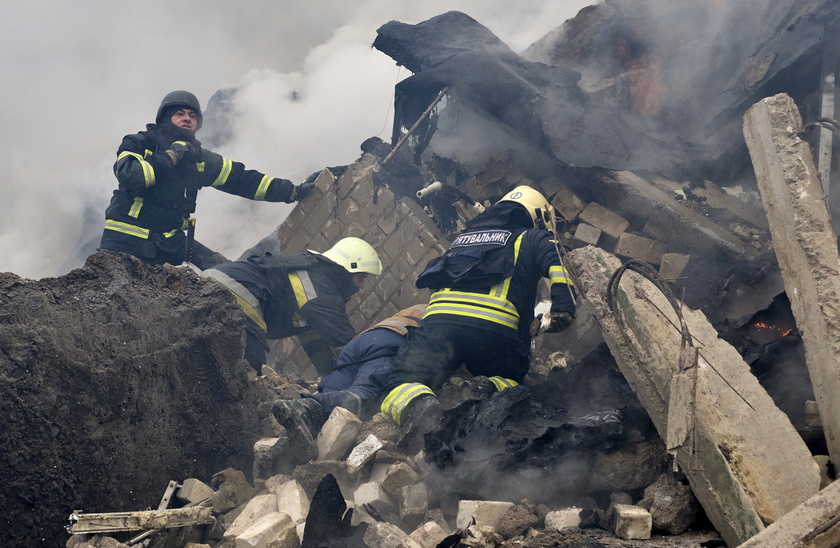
{"x": 632, "y": 522}
{"x": 264, "y": 530}
{"x": 638, "y": 247}
{"x": 384, "y": 535}
{"x": 428, "y": 535}
{"x": 562, "y": 519}
{"x": 398, "y": 476}
{"x": 362, "y": 453}
{"x": 567, "y": 203}
{"x": 291, "y": 500}
{"x": 338, "y": 434}
{"x": 372, "y": 493}
{"x": 414, "y": 500}
{"x": 672, "y": 266}
{"x": 585, "y": 235}
{"x": 600, "y": 217}
{"x": 256, "y": 508}
{"x": 193, "y": 491}
{"x": 487, "y": 513}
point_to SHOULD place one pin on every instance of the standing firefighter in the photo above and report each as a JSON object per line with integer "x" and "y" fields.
{"x": 159, "y": 173}
{"x": 481, "y": 309}
{"x": 301, "y": 295}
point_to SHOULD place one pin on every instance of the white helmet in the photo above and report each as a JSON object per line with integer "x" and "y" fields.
{"x": 355, "y": 255}
{"x": 541, "y": 212}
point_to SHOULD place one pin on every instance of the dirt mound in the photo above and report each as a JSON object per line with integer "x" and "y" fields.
{"x": 115, "y": 379}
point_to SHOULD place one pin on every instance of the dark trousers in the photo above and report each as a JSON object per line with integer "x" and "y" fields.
{"x": 435, "y": 351}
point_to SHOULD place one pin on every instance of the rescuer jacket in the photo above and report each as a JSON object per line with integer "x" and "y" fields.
{"x": 488, "y": 278}
{"x": 153, "y": 201}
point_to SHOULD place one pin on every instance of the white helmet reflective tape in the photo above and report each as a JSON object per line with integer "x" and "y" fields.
{"x": 355, "y": 255}
{"x": 541, "y": 212}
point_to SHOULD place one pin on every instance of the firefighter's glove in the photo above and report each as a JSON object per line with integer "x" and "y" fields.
{"x": 178, "y": 150}
{"x": 557, "y": 321}
{"x": 302, "y": 190}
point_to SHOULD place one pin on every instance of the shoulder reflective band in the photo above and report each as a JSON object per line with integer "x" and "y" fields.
{"x": 493, "y": 307}
{"x": 244, "y": 298}
{"x": 397, "y": 399}
{"x": 224, "y": 173}
{"x": 559, "y": 275}
{"x": 148, "y": 170}
{"x": 126, "y": 228}
{"x": 402, "y": 320}
{"x": 302, "y": 286}
{"x": 501, "y": 383}
{"x": 136, "y": 207}
{"x": 263, "y": 188}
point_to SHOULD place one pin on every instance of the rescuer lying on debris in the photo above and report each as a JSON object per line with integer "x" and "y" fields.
{"x": 482, "y": 307}
{"x": 301, "y": 295}
{"x": 356, "y": 381}
{"x": 159, "y": 173}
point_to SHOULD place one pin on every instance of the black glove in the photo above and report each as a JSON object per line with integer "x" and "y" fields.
{"x": 302, "y": 190}
{"x": 558, "y": 321}
{"x": 178, "y": 150}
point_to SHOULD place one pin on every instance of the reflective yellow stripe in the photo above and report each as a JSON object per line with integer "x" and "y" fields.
{"x": 398, "y": 398}
{"x": 148, "y": 170}
{"x": 263, "y": 188}
{"x": 136, "y": 207}
{"x": 460, "y": 309}
{"x": 501, "y": 383}
{"x": 559, "y": 275}
{"x": 244, "y": 298}
{"x": 126, "y": 228}
{"x": 302, "y": 286}
{"x": 171, "y": 233}
{"x": 224, "y": 173}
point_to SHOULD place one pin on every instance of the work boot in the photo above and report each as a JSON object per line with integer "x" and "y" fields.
{"x": 302, "y": 418}
{"x": 481, "y": 388}
{"x": 420, "y": 417}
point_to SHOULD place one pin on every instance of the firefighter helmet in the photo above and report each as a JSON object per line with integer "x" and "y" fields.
{"x": 541, "y": 212}
{"x": 178, "y": 99}
{"x": 355, "y": 255}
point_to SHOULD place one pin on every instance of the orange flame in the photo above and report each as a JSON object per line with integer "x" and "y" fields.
{"x": 782, "y": 332}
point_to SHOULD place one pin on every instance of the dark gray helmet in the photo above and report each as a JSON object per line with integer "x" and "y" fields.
{"x": 175, "y": 100}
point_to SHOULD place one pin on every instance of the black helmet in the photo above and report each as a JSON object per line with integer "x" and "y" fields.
{"x": 178, "y": 99}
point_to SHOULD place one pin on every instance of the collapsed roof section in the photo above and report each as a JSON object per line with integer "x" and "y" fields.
{"x": 652, "y": 85}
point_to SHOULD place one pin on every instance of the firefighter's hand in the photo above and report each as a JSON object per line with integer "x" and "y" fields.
{"x": 302, "y": 190}
{"x": 178, "y": 150}
{"x": 556, "y": 322}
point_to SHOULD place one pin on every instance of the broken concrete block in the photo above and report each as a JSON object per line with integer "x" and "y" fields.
{"x": 428, "y": 535}
{"x": 291, "y": 499}
{"x": 672, "y": 266}
{"x": 309, "y": 475}
{"x": 264, "y": 455}
{"x": 812, "y": 415}
{"x": 265, "y": 530}
{"x": 362, "y": 453}
{"x": 633, "y": 246}
{"x": 671, "y": 504}
{"x": 398, "y": 476}
{"x": 233, "y": 490}
{"x": 823, "y": 461}
{"x": 414, "y": 500}
{"x": 372, "y": 493}
{"x": 487, "y": 513}
{"x": 600, "y": 217}
{"x": 196, "y": 545}
{"x": 562, "y": 519}
{"x": 632, "y": 522}
{"x": 379, "y": 470}
{"x": 729, "y": 451}
{"x": 519, "y": 518}
{"x": 257, "y": 507}
{"x": 585, "y": 235}
{"x": 338, "y": 434}
{"x": 193, "y": 491}
{"x": 384, "y": 535}
{"x": 567, "y": 203}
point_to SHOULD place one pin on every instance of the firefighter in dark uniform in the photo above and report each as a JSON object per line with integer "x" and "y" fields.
{"x": 355, "y": 383}
{"x": 482, "y": 307}
{"x": 159, "y": 173}
{"x": 301, "y": 295}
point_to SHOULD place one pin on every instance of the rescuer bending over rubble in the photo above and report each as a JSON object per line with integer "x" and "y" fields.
{"x": 481, "y": 309}
{"x": 301, "y": 295}
{"x": 356, "y": 382}
{"x": 159, "y": 173}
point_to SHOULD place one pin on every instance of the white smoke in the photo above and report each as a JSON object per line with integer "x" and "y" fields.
{"x": 79, "y": 75}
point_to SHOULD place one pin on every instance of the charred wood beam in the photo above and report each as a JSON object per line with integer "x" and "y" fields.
{"x": 730, "y": 442}
{"x": 805, "y": 245}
